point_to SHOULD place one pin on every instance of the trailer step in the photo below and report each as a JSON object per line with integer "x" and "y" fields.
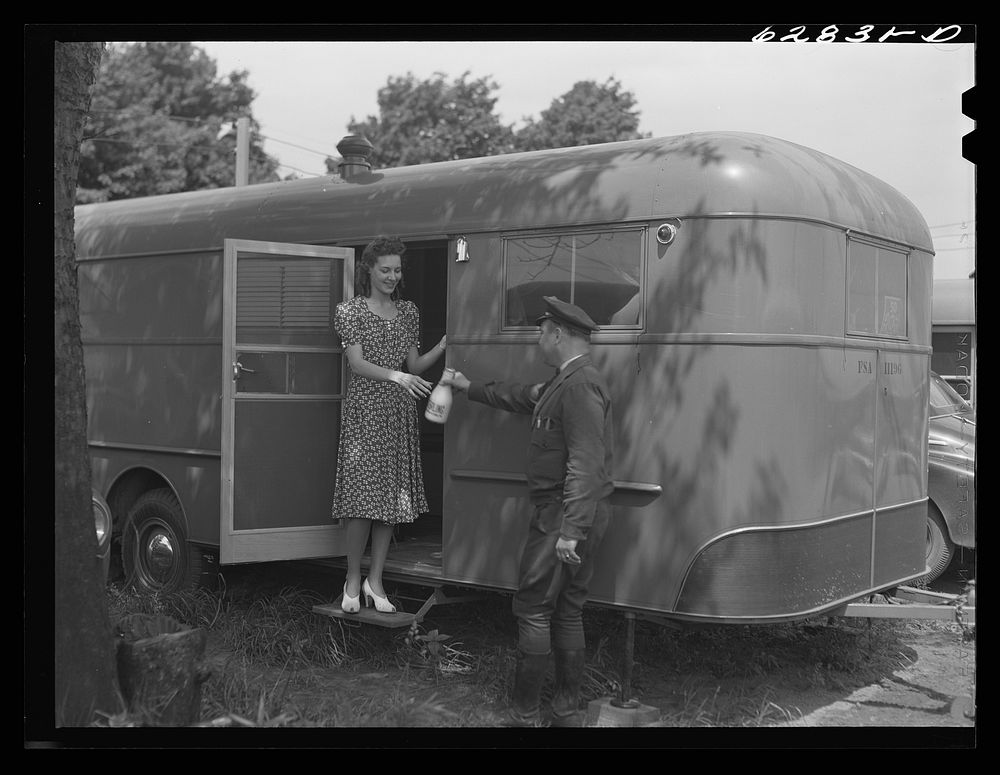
{"x": 398, "y": 619}
{"x": 366, "y": 615}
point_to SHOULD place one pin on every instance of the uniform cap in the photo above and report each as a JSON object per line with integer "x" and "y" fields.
{"x": 564, "y": 312}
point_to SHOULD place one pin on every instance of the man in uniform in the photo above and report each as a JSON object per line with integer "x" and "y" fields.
{"x": 569, "y": 469}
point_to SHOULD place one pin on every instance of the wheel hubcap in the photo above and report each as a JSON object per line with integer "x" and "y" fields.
{"x": 159, "y": 560}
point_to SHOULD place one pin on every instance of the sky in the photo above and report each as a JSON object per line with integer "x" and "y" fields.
{"x": 891, "y": 109}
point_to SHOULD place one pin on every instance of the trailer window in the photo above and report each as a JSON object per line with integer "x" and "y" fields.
{"x": 876, "y": 293}
{"x": 597, "y": 271}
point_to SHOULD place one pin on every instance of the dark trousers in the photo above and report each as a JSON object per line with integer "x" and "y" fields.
{"x": 551, "y": 593}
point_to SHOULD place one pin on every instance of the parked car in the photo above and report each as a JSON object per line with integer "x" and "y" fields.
{"x": 951, "y": 477}
{"x": 102, "y": 522}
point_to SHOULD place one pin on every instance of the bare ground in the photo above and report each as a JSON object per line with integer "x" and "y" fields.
{"x": 934, "y": 687}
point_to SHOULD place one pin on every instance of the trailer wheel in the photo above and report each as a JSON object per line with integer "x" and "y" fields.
{"x": 940, "y": 548}
{"x": 155, "y": 552}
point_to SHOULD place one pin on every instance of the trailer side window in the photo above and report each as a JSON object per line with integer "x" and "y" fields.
{"x": 876, "y": 292}
{"x": 597, "y": 271}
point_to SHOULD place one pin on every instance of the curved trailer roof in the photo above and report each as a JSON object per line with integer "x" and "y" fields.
{"x": 709, "y": 174}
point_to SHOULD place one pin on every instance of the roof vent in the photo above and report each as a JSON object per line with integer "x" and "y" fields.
{"x": 356, "y": 153}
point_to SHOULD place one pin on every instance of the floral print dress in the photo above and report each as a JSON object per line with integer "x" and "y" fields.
{"x": 379, "y": 475}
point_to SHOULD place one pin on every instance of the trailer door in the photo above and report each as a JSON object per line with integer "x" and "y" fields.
{"x": 284, "y": 379}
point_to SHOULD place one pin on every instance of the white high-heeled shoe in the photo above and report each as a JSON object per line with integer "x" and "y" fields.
{"x": 382, "y": 604}
{"x": 348, "y": 604}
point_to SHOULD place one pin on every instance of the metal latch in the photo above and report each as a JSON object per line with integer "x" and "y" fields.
{"x": 238, "y": 367}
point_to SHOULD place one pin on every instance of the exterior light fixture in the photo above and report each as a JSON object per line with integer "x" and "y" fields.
{"x": 667, "y": 231}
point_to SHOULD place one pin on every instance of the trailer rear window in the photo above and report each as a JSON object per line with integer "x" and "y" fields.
{"x": 876, "y": 292}
{"x": 597, "y": 271}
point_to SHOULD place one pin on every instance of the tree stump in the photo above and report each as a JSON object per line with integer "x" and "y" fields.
{"x": 160, "y": 669}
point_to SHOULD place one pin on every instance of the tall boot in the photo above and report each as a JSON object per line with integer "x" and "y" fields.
{"x": 526, "y": 695}
{"x": 569, "y": 677}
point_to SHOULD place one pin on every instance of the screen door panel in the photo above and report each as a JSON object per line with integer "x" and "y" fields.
{"x": 285, "y": 378}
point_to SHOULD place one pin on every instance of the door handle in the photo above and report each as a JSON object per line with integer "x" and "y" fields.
{"x": 238, "y": 367}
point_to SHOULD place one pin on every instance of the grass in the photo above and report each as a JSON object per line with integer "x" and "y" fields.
{"x": 275, "y": 663}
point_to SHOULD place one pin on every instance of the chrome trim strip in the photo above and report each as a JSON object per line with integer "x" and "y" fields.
{"x": 154, "y": 449}
{"x": 151, "y": 254}
{"x": 334, "y": 525}
{"x": 278, "y": 348}
{"x": 788, "y": 526}
{"x": 895, "y": 506}
{"x": 287, "y": 397}
{"x": 152, "y": 341}
{"x": 219, "y": 249}
{"x": 530, "y": 336}
{"x": 876, "y": 460}
{"x": 205, "y": 341}
{"x": 638, "y": 219}
{"x": 799, "y": 525}
{"x": 646, "y": 488}
{"x": 498, "y": 476}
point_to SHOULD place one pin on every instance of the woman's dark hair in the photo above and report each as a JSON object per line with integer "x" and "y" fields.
{"x": 380, "y": 246}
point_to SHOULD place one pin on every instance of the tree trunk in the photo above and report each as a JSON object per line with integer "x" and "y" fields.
{"x": 84, "y": 649}
{"x": 161, "y": 671}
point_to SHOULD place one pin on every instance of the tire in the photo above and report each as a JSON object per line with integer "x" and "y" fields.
{"x": 940, "y": 549}
{"x": 155, "y": 552}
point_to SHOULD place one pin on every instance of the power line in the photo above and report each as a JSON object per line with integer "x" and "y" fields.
{"x": 282, "y": 165}
{"x": 212, "y": 121}
{"x": 136, "y": 144}
{"x": 133, "y": 113}
{"x": 968, "y": 222}
{"x": 262, "y": 137}
{"x": 300, "y": 147}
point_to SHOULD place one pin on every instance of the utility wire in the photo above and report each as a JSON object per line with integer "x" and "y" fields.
{"x": 296, "y": 169}
{"x": 968, "y": 222}
{"x": 212, "y": 122}
{"x": 150, "y": 114}
{"x": 300, "y": 147}
{"x": 135, "y": 144}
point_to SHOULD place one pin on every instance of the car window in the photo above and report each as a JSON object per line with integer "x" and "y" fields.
{"x": 944, "y": 400}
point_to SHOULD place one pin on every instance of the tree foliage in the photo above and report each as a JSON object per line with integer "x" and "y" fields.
{"x": 433, "y": 120}
{"x": 588, "y": 113}
{"x": 162, "y": 122}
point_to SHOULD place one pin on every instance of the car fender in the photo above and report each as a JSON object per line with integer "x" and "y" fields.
{"x": 951, "y": 487}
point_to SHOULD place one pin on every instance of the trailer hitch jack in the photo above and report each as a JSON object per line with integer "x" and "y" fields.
{"x": 624, "y": 698}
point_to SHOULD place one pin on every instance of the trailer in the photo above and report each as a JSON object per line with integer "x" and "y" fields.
{"x": 764, "y": 317}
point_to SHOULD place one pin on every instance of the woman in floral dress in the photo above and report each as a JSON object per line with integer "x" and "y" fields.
{"x": 379, "y": 478}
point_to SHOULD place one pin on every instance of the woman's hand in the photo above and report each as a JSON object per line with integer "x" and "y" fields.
{"x": 412, "y": 384}
{"x": 443, "y": 344}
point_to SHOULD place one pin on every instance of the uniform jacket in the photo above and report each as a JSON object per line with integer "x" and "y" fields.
{"x": 570, "y": 453}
